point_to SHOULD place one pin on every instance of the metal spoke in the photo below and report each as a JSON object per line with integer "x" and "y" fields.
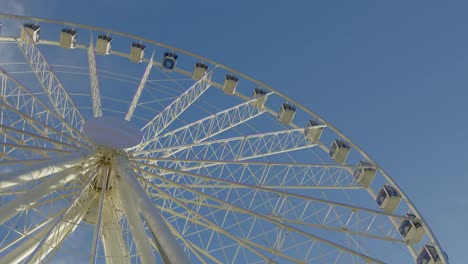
{"x": 242, "y": 148}
{"x": 196, "y": 217}
{"x": 65, "y": 224}
{"x": 154, "y": 127}
{"x": 26, "y": 200}
{"x": 43, "y": 169}
{"x": 94, "y": 80}
{"x": 139, "y": 90}
{"x": 19, "y": 100}
{"x": 207, "y": 127}
{"x": 266, "y": 218}
{"x": 58, "y": 95}
{"x": 279, "y": 193}
{"x": 35, "y": 137}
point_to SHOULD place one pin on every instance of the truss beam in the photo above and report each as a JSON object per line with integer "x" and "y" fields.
{"x": 51, "y": 84}
{"x": 43, "y": 169}
{"x": 139, "y": 90}
{"x": 94, "y": 80}
{"x": 160, "y": 122}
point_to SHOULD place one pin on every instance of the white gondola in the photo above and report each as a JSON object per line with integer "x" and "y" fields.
{"x": 286, "y": 113}
{"x": 230, "y": 84}
{"x": 137, "y": 52}
{"x": 30, "y": 31}
{"x": 313, "y": 131}
{"x": 411, "y": 230}
{"x": 261, "y": 95}
{"x": 429, "y": 255}
{"x": 103, "y": 45}
{"x": 169, "y": 61}
{"x": 388, "y": 198}
{"x": 199, "y": 71}
{"x": 365, "y": 174}
{"x": 339, "y": 150}
{"x": 68, "y": 38}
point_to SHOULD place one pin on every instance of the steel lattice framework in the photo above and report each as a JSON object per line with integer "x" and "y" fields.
{"x": 217, "y": 175}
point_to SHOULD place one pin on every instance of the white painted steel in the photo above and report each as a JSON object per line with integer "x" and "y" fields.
{"x": 94, "y": 81}
{"x": 43, "y": 169}
{"x": 136, "y": 224}
{"x": 139, "y": 90}
{"x": 151, "y": 214}
{"x": 217, "y": 181}
{"x": 26, "y": 200}
{"x": 114, "y": 244}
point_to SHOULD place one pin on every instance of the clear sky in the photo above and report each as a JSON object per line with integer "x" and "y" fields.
{"x": 391, "y": 75}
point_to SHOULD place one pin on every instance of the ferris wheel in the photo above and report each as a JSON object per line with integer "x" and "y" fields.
{"x": 120, "y": 149}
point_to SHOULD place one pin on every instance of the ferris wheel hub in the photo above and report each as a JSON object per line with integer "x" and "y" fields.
{"x": 112, "y": 132}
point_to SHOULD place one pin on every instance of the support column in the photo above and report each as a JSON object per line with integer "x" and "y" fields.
{"x": 136, "y": 225}
{"x": 151, "y": 213}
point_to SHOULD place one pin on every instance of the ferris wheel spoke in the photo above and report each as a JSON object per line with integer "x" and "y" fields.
{"x": 139, "y": 90}
{"x": 281, "y": 174}
{"x": 297, "y": 222}
{"x": 279, "y": 193}
{"x": 207, "y": 127}
{"x": 58, "y": 95}
{"x": 34, "y": 137}
{"x": 41, "y": 244}
{"x": 39, "y": 126}
{"x": 321, "y": 217}
{"x": 28, "y": 240}
{"x": 242, "y": 148}
{"x": 67, "y": 222}
{"x": 26, "y": 234}
{"x": 265, "y": 218}
{"x": 40, "y": 150}
{"x": 160, "y": 122}
{"x": 196, "y": 217}
{"x": 94, "y": 80}
{"x": 58, "y": 233}
{"x": 43, "y": 169}
{"x": 26, "y": 200}
{"x": 18, "y": 100}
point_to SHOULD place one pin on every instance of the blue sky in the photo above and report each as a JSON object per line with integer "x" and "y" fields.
{"x": 391, "y": 75}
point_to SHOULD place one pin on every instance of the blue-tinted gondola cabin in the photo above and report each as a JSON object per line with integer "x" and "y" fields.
{"x": 169, "y": 61}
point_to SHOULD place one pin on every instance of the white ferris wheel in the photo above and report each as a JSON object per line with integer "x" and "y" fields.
{"x": 120, "y": 149}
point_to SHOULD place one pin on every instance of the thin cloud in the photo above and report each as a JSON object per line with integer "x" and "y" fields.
{"x": 13, "y": 7}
